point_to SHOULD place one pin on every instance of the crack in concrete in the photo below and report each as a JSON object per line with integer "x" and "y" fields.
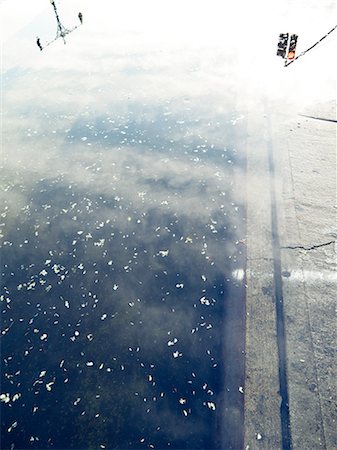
{"x": 313, "y": 247}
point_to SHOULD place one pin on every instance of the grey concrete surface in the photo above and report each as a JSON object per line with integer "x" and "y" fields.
{"x": 304, "y": 151}
{"x": 262, "y": 400}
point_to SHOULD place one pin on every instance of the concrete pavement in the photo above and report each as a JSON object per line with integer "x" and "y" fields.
{"x": 300, "y": 192}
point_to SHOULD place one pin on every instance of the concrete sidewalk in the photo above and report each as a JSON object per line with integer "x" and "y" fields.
{"x": 304, "y": 153}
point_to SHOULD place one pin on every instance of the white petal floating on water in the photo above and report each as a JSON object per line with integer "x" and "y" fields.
{"x": 204, "y": 301}
{"x": 211, "y": 405}
{"x": 5, "y": 398}
{"x": 31, "y": 285}
{"x": 49, "y": 385}
{"x": 56, "y": 268}
{"x": 14, "y": 425}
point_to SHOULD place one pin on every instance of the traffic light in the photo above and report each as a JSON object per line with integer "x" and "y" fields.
{"x": 282, "y": 44}
{"x": 292, "y": 47}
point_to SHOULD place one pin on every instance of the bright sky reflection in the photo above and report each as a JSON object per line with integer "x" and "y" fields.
{"x": 123, "y": 225}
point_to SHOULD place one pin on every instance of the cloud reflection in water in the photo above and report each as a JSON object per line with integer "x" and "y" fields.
{"x": 122, "y": 215}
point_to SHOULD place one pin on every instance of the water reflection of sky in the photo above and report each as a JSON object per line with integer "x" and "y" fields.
{"x": 122, "y": 239}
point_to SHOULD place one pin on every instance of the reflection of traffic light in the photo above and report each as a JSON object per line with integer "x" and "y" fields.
{"x": 292, "y": 46}
{"x": 282, "y": 44}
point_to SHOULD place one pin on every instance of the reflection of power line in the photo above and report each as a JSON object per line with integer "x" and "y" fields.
{"x": 319, "y": 118}
{"x": 308, "y": 49}
{"x": 61, "y": 31}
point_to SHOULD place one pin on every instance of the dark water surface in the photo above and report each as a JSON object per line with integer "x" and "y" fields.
{"x": 122, "y": 246}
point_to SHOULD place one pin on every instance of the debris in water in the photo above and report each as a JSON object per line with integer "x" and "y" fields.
{"x": 49, "y": 385}
{"x": 211, "y": 406}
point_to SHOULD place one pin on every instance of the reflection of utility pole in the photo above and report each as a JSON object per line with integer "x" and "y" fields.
{"x": 61, "y": 31}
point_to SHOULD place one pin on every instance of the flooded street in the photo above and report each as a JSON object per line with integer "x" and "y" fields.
{"x": 137, "y": 209}
{"x": 118, "y": 265}
{"x": 124, "y": 243}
